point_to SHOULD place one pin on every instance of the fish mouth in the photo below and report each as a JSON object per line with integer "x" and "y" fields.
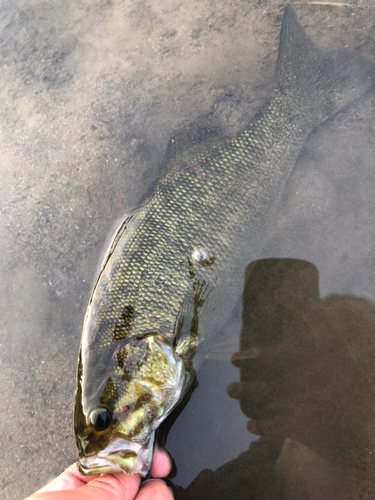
{"x": 120, "y": 456}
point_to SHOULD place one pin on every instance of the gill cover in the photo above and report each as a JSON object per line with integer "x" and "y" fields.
{"x": 145, "y": 382}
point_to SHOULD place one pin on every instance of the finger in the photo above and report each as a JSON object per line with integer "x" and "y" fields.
{"x": 161, "y": 463}
{"x": 268, "y": 355}
{"x": 104, "y": 487}
{"x": 154, "y": 489}
{"x": 277, "y": 426}
{"x": 239, "y": 357}
{"x": 280, "y": 355}
{"x": 236, "y": 390}
{"x": 255, "y": 392}
{"x": 70, "y": 479}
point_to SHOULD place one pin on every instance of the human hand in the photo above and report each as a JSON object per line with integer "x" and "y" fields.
{"x": 71, "y": 485}
{"x": 312, "y": 382}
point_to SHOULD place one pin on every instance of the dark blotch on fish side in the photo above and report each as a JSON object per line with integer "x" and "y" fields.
{"x": 122, "y": 328}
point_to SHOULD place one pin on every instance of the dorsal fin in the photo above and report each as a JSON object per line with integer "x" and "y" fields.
{"x": 184, "y": 136}
{"x": 116, "y": 238}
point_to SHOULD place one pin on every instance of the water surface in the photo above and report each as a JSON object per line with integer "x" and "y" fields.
{"x": 90, "y": 93}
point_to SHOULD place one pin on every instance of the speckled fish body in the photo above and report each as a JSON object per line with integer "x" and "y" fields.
{"x": 167, "y": 282}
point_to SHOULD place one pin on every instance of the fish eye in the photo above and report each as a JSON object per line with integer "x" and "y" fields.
{"x": 100, "y": 419}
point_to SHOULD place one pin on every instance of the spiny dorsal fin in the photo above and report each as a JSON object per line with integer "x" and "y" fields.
{"x": 185, "y": 135}
{"x": 116, "y": 238}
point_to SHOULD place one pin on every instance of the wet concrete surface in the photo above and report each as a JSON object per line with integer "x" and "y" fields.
{"x": 90, "y": 93}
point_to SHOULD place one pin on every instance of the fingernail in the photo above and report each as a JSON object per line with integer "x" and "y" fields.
{"x": 172, "y": 492}
{"x": 150, "y": 480}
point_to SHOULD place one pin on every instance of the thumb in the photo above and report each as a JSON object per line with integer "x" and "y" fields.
{"x": 105, "y": 487}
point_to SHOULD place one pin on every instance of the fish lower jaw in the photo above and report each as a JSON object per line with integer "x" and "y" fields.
{"x": 100, "y": 466}
{"x": 119, "y": 456}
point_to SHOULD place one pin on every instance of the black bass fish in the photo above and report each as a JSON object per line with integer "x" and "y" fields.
{"x": 170, "y": 277}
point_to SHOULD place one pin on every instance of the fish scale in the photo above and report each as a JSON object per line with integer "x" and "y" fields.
{"x": 155, "y": 309}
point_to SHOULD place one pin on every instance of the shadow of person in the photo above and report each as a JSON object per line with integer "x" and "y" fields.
{"x": 307, "y": 379}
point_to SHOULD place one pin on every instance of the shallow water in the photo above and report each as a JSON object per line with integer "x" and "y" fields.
{"x": 90, "y": 94}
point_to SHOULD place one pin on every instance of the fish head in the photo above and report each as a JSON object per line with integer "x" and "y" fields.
{"x": 115, "y": 421}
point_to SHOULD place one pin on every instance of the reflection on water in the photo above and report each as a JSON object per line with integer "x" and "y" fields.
{"x": 307, "y": 383}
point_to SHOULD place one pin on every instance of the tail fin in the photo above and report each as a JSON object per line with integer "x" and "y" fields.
{"x": 325, "y": 83}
